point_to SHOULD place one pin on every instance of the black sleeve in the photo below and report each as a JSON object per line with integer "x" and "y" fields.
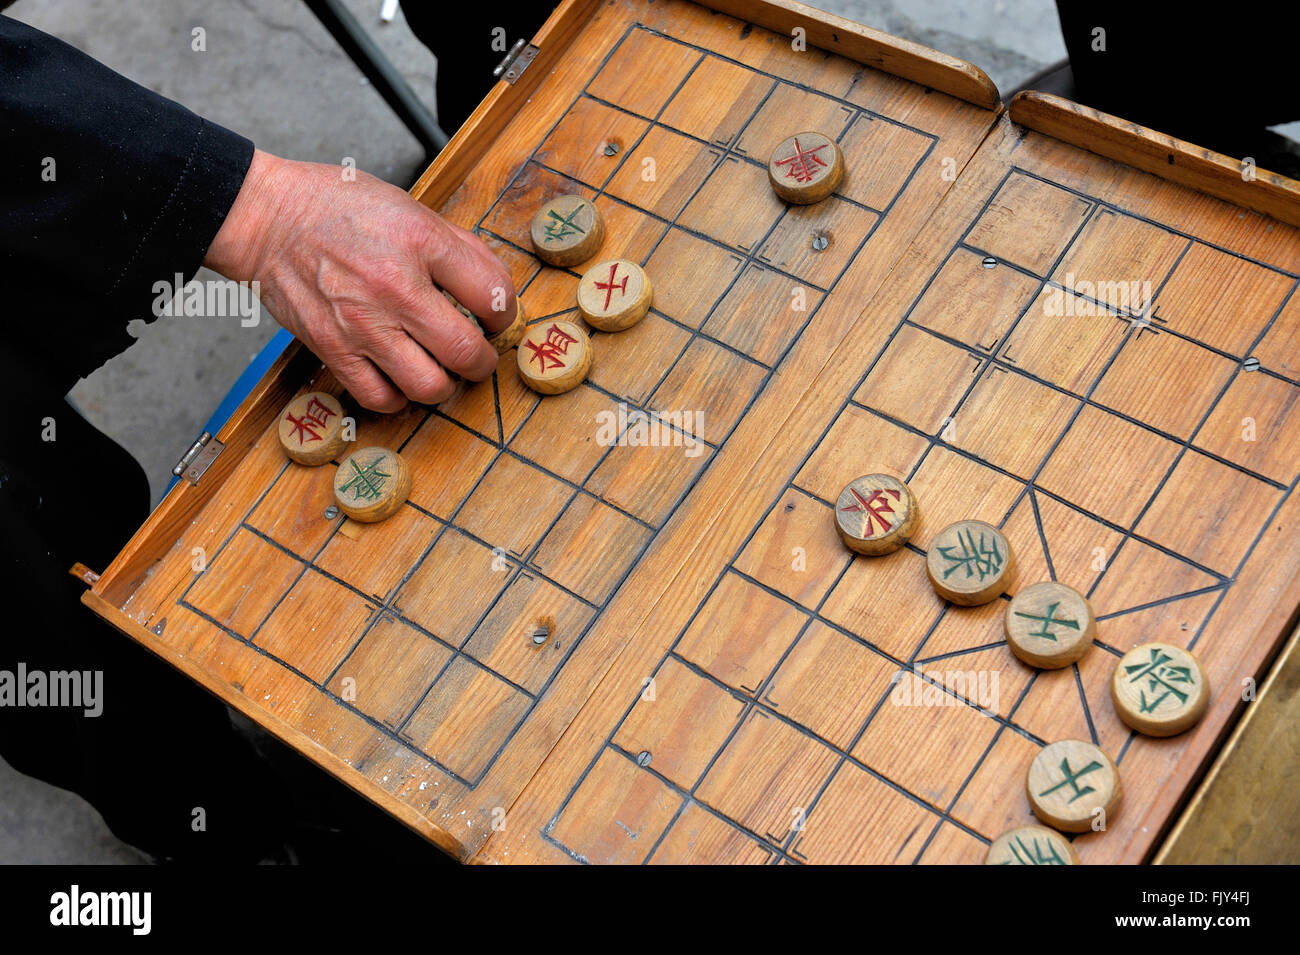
{"x": 105, "y": 189}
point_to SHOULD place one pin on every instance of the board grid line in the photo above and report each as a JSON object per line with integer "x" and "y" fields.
{"x": 384, "y": 607}
{"x": 1028, "y": 489}
{"x": 787, "y": 850}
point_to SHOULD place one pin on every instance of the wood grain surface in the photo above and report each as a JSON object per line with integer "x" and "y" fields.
{"x": 574, "y": 647}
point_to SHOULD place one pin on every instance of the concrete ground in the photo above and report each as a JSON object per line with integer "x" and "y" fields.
{"x": 272, "y": 72}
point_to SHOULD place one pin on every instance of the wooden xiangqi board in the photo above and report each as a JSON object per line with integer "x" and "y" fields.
{"x": 716, "y": 682}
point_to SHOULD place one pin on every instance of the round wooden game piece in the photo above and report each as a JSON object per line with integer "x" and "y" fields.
{"x": 554, "y": 356}
{"x": 371, "y": 484}
{"x": 806, "y": 168}
{"x": 1049, "y": 625}
{"x": 876, "y": 514}
{"x": 311, "y": 428}
{"x": 1031, "y": 845}
{"x": 505, "y": 339}
{"x": 567, "y": 230}
{"x": 969, "y": 563}
{"x": 1159, "y": 689}
{"x": 1069, "y": 781}
{"x": 509, "y": 337}
{"x": 614, "y": 295}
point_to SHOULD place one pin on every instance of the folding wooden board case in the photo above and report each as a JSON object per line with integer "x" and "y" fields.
{"x": 563, "y": 649}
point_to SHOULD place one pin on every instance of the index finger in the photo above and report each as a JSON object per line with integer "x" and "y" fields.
{"x": 460, "y": 263}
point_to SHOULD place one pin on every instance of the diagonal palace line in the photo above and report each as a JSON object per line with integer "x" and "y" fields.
{"x": 1042, "y": 534}
{"x": 1164, "y": 600}
{"x": 1083, "y": 701}
{"x": 957, "y": 653}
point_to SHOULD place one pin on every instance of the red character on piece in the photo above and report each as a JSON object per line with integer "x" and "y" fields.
{"x": 609, "y": 286}
{"x": 876, "y": 507}
{"x": 316, "y": 416}
{"x": 804, "y": 163}
{"x": 319, "y": 412}
{"x": 557, "y": 343}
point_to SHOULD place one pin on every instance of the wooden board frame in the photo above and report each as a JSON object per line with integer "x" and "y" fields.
{"x": 1187, "y": 164}
{"x": 113, "y": 591}
{"x": 470, "y": 143}
{"x": 1204, "y": 830}
{"x": 1245, "y": 812}
{"x": 1195, "y": 216}
{"x": 825, "y": 31}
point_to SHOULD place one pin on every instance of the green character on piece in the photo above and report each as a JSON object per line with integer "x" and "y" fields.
{"x": 1072, "y": 780}
{"x": 978, "y": 559}
{"x": 1048, "y": 620}
{"x": 367, "y": 482}
{"x": 1043, "y": 852}
{"x": 563, "y": 226}
{"x": 1163, "y": 678}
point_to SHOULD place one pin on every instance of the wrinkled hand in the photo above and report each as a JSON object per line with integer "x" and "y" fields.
{"x": 354, "y": 268}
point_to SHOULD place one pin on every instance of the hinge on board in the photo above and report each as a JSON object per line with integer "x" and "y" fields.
{"x": 517, "y": 60}
{"x": 198, "y": 458}
{"x": 84, "y": 574}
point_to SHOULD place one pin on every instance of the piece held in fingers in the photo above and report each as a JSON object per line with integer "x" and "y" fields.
{"x": 311, "y": 428}
{"x": 509, "y": 337}
{"x": 876, "y": 514}
{"x": 567, "y": 231}
{"x": 505, "y": 339}
{"x": 554, "y": 356}
{"x": 1031, "y": 845}
{"x": 1069, "y": 781}
{"x": 459, "y": 307}
{"x": 969, "y": 563}
{"x": 1159, "y": 689}
{"x": 614, "y": 295}
{"x": 1049, "y": 625}
{"x": 806, "y": 168}
{"x": 371, "y": 484}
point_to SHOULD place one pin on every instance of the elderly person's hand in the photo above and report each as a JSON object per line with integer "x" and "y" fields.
{"x": 354, "y": 269}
